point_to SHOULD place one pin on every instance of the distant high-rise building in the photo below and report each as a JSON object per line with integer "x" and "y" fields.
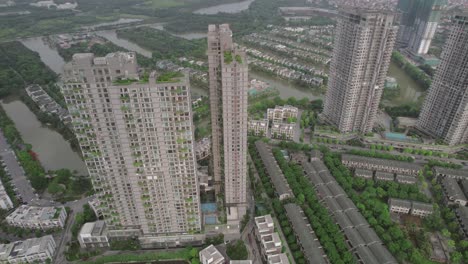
{"x": 419, "y": 20}
{"x": 445, "y": 112}
{"x": 228, "y": 78}
{"x": 135, "y": 133}
{"x": 364, "y": 41}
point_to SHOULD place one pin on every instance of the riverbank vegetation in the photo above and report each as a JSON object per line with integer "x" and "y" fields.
{"x": 164, "y": 45}
{"x": 19, "y": 67}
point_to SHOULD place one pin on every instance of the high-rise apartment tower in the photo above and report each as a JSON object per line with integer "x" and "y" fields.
{"x": 445, "y": 112}
{"x": 364, "y": 41}
{"x": 419, "y": 20}
{"x": 135, "y": 133}
{"x": 228, "y": 78}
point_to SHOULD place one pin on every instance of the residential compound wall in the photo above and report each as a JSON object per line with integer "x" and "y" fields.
{"x": 364, "y": 41}
{"x": 228, "y": 81}
{"x": 445, "y": 111}
{"x": 136, "y": 135}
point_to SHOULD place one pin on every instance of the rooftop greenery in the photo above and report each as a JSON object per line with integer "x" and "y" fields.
{"x": 169, "y": 77}
{"x": 227, "y": 57}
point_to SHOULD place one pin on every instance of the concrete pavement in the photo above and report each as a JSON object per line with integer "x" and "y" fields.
{"x": 16, "y": 172}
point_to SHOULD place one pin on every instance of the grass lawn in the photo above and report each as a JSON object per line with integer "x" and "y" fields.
{"x": 156, "y": 4}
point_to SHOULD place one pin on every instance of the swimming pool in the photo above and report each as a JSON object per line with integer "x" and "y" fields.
{"x": 210, "y": 220}
{"x": 400, "y": 137}
{"x": 208, "y": 207}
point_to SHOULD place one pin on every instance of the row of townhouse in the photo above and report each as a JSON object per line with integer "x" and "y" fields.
{"x": 453, "y": 193}
{"x": 5, "y": 201}
{"x": 46, "y": 103}
{"x": 270, "y": 242}
{"x": 382, "y": 165}
{"x": 415, "y": 208}
{"x": 282, "y": 188}
{"x": 385, "y": 176}
{"x": 281, "y": 114}
{"x": 284, "y": 131}
{"x": 360, "y": 237}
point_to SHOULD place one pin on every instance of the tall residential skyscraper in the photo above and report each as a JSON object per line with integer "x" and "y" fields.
{"x": 135, "y": 132}
{"x": 228, "y": 77}
{"x": 419, "y": 20}
{"x": 364, "y": 41}
{"x": 445, "y": 112}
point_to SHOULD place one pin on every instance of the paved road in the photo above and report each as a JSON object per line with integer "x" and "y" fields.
{"x": 16, "y": 172}
{"x": 75, "y": 206}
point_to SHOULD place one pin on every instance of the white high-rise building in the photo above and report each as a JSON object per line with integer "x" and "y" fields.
{"x": 228, "y": 78}
{"x": 444, "y": 114}
{"x": 136, "y": 135}
{"x": 361, "y": 56}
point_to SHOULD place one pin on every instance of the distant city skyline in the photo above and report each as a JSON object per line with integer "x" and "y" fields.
{"x": 418, "y": 25}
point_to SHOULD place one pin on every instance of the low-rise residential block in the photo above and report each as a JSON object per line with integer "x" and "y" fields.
{"x": 282, "y": 188}
{"x": 384, "y": 165}
{"x": 264, "y": 225}
{"x": 5, "y": 201}
{"x": 283, "y": 131}
{"x": 306, "y": 238}
{"x": 384, "y": 176}
{"x": 34, "y": 250}
{"x": 211, "y": 255}
{"x": 453, "y": 192}
{"x": 399, "y": 206}
{"x": 281, "y": 114}
{"x": 35, "y": 217}
{"x": 271, "y": 244}
{"x": 404, "y": 179}
{"x": 258, "y": 127}
{"x": 203, "y": 148}
{"x": 278, "y": 259}
{"x": 93, "y": 235}
{"x": 414, "y": 208}
{"x": 366, "y": 174}
{"x": 450, "y": 173}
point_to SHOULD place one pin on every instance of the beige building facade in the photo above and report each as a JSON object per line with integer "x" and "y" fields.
{"x": 136, "y": 135}
{"x": 228, "y": 81}
{"x": 364, "y": 42}
{"x": 444, "y": 114}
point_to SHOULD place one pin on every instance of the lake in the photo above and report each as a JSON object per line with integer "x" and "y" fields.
{"x": 410, "y": 90}
{"x": 225, "y": 8}
{"x": 53, "y": 151}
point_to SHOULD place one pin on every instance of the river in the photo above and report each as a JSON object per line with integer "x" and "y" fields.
{"x": 225, "y": 8}
{"x": 410, "y": 90}
{"x": 111, "y": 35}
{"x": 48, "y": 54}
{"x": 53, "y": 151}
